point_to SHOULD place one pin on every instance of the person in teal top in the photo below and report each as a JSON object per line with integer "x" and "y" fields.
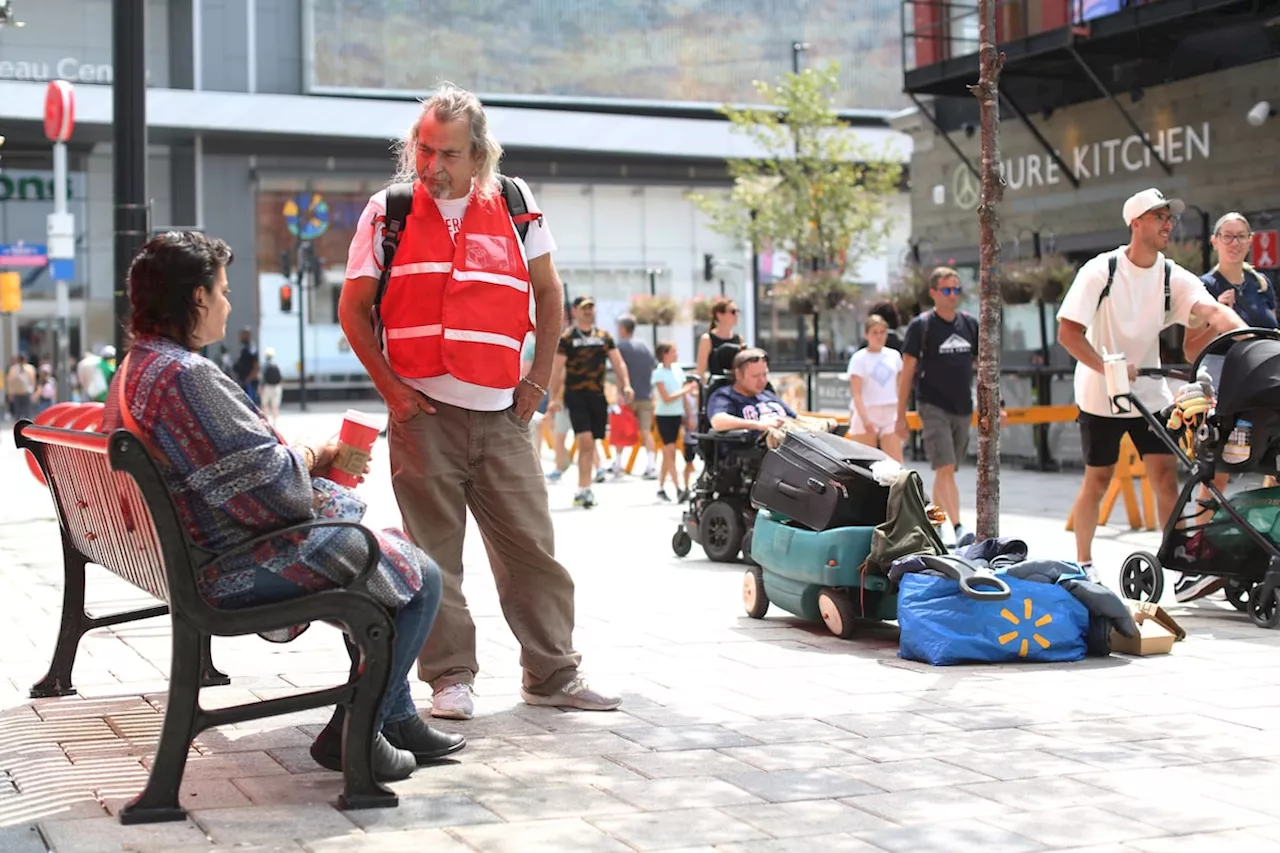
{"x": 670, "y": 388}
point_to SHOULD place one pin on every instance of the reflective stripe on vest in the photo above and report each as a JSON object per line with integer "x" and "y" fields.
{"x": 458, "y": 306}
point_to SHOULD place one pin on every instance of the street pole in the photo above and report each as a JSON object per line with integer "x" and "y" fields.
{"x": 129, "y": 148}
{"x": 304, "y": 257}
{"x": 653, "y": 292}
{"x": 62, "y": 245}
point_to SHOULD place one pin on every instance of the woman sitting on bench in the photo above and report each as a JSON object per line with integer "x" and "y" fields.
{"x": 233, "y": 479}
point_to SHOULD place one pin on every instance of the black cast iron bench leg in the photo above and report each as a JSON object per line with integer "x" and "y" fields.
{"x": 159, "y": 800}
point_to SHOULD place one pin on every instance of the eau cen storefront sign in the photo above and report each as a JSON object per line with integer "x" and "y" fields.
{"x": 68, "y": 68}
{"x": 1105, "y": 158}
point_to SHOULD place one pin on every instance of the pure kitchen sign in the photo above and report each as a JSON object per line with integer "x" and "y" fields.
{"x": 1119, "y": 155}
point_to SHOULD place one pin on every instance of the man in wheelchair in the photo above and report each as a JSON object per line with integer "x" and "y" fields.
{"x": 738, "y": 407}
{"x": 747, "y": 403}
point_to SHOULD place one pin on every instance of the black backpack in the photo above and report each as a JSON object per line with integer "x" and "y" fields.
{"x": 400, "y": 202}
{"x": 271, "y": 374}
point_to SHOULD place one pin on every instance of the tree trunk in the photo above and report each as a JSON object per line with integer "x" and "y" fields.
{"x": 990, "y": 62}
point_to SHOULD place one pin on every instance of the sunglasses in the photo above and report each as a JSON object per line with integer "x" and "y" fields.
{"x": 755, "y": 359}
{"x": 951, "y": 291}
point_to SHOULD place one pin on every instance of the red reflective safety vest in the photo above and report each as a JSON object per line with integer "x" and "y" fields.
{"x": 458, "y": 306}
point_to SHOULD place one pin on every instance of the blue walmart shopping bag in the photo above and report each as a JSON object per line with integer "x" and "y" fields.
{"x": 943, "y": 626}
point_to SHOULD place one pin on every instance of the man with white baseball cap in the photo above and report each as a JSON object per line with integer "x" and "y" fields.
{"x": 1119, "y": 302}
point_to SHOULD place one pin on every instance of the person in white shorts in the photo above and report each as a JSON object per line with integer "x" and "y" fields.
{"x": 873, "y": 386}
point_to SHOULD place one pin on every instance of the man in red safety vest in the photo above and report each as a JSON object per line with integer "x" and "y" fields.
{"x": 451, "y": 316}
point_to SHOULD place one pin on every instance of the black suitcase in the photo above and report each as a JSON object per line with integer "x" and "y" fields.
{"x": 822, "y": 481}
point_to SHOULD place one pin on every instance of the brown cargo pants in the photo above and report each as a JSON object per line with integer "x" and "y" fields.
{"x": 455, "y": 460}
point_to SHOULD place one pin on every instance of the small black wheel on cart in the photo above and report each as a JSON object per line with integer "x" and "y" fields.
{"x": 746, "y": 549}
{"x": 754, "y": 597}
{"x": 721, "y": 532}
{"x": 1237, "y": 592}
{"x": 1264, "y": 610}
{"x": 838, "y": 613}
{"x": 681, "y": 543}
{"x": 1141, "y": 577}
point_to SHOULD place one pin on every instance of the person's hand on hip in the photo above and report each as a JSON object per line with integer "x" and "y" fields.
{"x": 404, "y": 402}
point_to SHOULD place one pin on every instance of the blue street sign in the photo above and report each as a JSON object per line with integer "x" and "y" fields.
{"x": 22, "y": 255}
{"x": 307, "y": 215}
{"x": 62, "y": 269}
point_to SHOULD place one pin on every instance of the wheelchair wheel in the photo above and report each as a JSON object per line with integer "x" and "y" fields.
{"x": 681, "y": 543}
{"x": 721, "y": 532}
{"x": 837, "y": 612}
{"x": 1141, "y": 577}
{"x": 753, "y": 594}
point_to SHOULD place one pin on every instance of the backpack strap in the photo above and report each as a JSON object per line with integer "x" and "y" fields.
{"x": 924, "y": 343}
{"x": 1168, "y": 296}
{"x": 1111, "y": 276}
{"x": 399, "y": 203}
{"x": 517, "y": 206}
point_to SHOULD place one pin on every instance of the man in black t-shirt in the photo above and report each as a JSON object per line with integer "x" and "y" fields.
{"x": 943, "y": 343}
{"x": 246, "y": 367}
{"x": 582, "y": 355}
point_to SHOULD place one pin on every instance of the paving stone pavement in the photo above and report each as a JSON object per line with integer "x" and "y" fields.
{"x": 736, "y": 735}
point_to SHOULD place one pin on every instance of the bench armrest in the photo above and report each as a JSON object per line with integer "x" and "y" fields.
{"x": 358, "y": 584}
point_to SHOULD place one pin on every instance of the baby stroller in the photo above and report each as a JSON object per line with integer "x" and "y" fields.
{"x": 1232, "y": 539}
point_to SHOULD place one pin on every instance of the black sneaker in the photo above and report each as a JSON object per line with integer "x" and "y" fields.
{"x": 682, "y": 496}
{"x": 1191, "y": 587}
{"x": 663, "y": 496}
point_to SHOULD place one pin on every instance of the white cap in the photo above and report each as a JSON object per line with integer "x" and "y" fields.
{"x": 108, "y": 351}
{"x": 1148, "y": 200}
{"x": 269, "y": 352}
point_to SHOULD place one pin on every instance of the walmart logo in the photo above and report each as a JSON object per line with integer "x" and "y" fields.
{"x": 1005, "y": 639}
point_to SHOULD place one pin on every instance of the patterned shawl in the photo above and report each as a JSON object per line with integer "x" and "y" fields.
{"x": 233, "y": 478}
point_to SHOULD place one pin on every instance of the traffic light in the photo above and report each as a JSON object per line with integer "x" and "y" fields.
{"x": 10, "y": 292}
{"x": 708, "y": 267}
{"x": 286, "y": 299}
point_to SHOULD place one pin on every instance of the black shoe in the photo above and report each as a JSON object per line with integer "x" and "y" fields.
{"x": 1191, "y": 587}
{"x": 682, "y": 496}
{"x": 389, "y": 764}
{"x": 662, "y": 495}
{"x": 412, "y": 734}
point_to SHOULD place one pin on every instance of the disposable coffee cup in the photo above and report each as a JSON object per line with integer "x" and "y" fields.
{"x": 355, "y": 443}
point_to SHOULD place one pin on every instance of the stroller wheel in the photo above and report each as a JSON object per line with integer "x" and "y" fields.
{"x": 1237, "y": 592}
{"x": 1265, "y": 612}
{"x": 1141, "y": 577}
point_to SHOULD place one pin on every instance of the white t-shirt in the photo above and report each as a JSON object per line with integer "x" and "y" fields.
{"x": 365, "y": 259}
{"x": 1129, "y": 320}
{"x": 879, "y": 372}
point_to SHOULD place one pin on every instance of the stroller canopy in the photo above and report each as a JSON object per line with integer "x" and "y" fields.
{"x": 1250, "y": 377}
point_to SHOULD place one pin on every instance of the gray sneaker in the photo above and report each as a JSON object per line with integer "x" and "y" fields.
{"x": 576, "y": 694}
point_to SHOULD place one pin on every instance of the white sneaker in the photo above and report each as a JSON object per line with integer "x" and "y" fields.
{"x": 576, "y": 694}
{"x": 454, "y": 702}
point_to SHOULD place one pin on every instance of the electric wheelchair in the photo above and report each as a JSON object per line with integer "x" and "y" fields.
{"x": 720, "y": 515}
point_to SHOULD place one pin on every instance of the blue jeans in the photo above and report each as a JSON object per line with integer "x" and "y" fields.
{"x": 413, "y": 623}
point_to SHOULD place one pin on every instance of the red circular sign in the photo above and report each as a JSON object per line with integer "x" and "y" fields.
{"x": 59, "y": 111}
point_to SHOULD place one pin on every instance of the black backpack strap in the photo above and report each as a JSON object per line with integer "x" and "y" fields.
{"x": 1111, "y": 276}
{"x": 399, "y": 203}
{"x": 517, "y": 206}
{"x": 924, "y": 343}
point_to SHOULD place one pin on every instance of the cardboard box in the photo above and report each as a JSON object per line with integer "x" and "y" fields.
{"x": 1157, "y": 631}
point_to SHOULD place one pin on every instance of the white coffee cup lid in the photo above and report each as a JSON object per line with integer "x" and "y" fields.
{"x": 365, "y": 419}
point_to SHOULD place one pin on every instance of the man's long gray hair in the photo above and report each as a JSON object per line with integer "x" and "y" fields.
{"x": 450, "y": 103}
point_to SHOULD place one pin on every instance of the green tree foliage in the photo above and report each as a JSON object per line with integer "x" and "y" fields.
{"x": 814, "y": 189}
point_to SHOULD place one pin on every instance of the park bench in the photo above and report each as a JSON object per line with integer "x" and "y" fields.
{"x": 115, "y": 511}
